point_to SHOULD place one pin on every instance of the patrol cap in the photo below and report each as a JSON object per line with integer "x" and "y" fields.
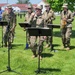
{"x": 9, "y": 6}
{"x": 64, "y": 6}
{"x": 47, "y": 4}
{"x": 39, "y": 7}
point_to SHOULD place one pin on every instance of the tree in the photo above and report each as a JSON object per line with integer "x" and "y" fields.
{"x": 57, "y": 4}
{"x": 23, "y": 2}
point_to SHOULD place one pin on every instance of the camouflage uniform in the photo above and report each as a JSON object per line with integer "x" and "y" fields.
{"x": 66, "y": 26}
{"x": 11, "y": 19}
{"x": 38, "y": 21}
{"x": 48, "y": 19}
{"x": 28, "y": 19}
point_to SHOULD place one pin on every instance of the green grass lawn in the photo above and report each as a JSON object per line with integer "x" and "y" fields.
{"x": 60, "y": 62}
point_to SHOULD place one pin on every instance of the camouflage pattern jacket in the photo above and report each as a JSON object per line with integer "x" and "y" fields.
{"x": 38, "y": 21}
{"x": 69, "y": 16}
{"x": 10, "y": 18}
{"x": 48, "y": 17}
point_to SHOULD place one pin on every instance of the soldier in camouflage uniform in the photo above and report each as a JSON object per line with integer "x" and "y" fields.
{"x": 48, "y": 19}
{"x": 10, "y": 17}
{"x": 28, "y": 19}
{"x": 38, "y": 21}
{"x": 66, "y": 26}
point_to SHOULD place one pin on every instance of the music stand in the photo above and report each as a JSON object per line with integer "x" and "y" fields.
{"x": 3, "y": 23}
{"x": 39, "y": 32}
{"x": 25, "y": 25}
{"x": 9, "y": 44}
{"x": 53, "y": 26}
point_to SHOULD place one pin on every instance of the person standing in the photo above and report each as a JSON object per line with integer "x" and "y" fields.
{"x": 38, "y": 21}
{"x": 10, "y": 17}
{"x": 48, "y": 16}
{"x": 28, "y": 19}
{"x": 66, "y": 26}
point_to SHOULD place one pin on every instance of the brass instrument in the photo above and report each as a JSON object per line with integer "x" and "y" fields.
{"x": 63, "y": 23}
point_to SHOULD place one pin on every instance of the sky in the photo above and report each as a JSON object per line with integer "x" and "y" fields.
{"x": 15, "y": 1}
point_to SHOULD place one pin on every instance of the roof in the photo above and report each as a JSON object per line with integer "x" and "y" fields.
{"x": 3, "y": 4}
{"x": 21, "y": 6}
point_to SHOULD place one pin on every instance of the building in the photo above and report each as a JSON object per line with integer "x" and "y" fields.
{"x": 3, "y": 5}
{"x": 22, "y": 7}
{"x": 17, "y": 7}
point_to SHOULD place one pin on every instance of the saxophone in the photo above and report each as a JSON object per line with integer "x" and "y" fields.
{"x": 63, "y": 23}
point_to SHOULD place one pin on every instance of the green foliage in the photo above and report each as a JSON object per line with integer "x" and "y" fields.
{"x": 57, "y": 4}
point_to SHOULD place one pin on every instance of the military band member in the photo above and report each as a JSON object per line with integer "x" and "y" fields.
{"x": 48, "y": 19}
{"x": 28, "y": 19}
{"x": 66, "y": 26}
{"x": 38, "y": 21}
{"x": 10, "y": 17}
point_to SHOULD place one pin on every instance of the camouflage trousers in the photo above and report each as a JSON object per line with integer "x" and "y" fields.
{"x": 7, "y": 36}
{"x": 36, "y": 43}
{"x": 28, "y": 37}
{"x": 49, "y": 40}
{"x": 66, "y": 35}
